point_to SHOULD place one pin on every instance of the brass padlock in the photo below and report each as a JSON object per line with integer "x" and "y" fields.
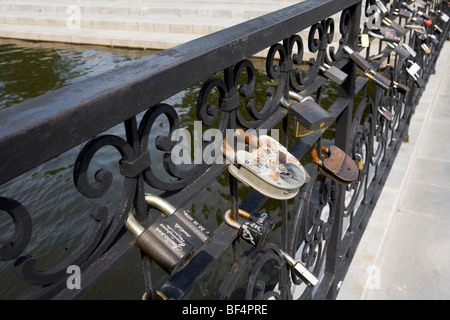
{"x": 364, "y": 40}
{"x": 267, "y": 167}
{"x": 310, "y": 116}
{"x": 336, "y": 164}
{"x": 171, "y": 241}
{"x": 255, "y": 228}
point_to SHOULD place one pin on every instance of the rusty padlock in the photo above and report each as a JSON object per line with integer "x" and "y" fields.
{"x": 310, "y": 116}
{"x": 336, "y": 164}
{"x": 267, "y": 167}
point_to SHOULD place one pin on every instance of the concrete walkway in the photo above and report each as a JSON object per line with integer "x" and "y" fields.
{"x": 405, "y": 250}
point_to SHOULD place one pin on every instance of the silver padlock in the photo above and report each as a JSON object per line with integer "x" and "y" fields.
{"x": 385, "y": 113}
{"x": 299, "y": 270}
{"x": 333, "y": 73}
{"x": 444, "y": 17}
{"x": 268, "y": 168}
{"x": 403, "y": 13}
{"x": 411, "y": 51}
{"x": 382, "y": 7}
{"x": 400, "y": 50}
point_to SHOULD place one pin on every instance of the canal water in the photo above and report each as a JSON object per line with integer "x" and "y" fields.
{"x": 60, "y": 214}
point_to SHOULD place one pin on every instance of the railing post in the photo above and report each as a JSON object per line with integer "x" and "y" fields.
{"x": 343, "y": 140}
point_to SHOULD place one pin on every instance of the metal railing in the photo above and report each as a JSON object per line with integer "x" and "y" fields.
{"x": 321, "y": 226}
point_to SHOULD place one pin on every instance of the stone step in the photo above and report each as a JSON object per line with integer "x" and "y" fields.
{"x": 121, "y": 22}
{"x": 175, "y": 9}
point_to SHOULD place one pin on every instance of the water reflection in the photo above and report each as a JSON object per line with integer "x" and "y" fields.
{"x": 29, "y": 69}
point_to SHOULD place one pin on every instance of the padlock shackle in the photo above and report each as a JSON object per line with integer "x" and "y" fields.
{"x": 160, "y": 203}
{"x": 315, "y": 156}
{"x": 133, "y": 225}
{"x": 233, "y": 223}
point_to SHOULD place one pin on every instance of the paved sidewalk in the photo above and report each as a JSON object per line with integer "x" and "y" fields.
{"x": 405, "y": 250}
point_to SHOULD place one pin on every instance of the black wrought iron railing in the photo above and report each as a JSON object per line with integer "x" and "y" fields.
{"x": 320, "y": 227}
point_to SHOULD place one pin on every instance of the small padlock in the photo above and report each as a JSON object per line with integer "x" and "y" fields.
{"x": 359, "y": 161}
{"x": 269, "y": 168}
{"x": 411, "y": 51}
{"x": 385, "y": 113}
{"x": 413, "y": 71}
{"x": 386, "y": 34}
{"x": 333, "y": 73}
{"x": 299, "y": 270}
{"x": 254, "y": 230}
{"x": 425, "y": 48}
{"x": 310, "y": 116}
{"x": 171, "y": 241}
{"x": 364, "y": 40}
{"x": 401, "y": 31}
{"x": 382, "y": 7}
{"x": 336, "y": 164}
{"x": 400, "y": 50}
{"x": 403, "y": 13}
{"x": 409, "y": 7}
{"x": 403, "y": 89}
{"x": 366, "y": 68}
{"x": 444, "y": 17}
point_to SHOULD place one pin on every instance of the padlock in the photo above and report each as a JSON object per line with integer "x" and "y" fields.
{"x": 401, "y": 31}
{"x": 359, "y": 161}
{"x": 255, "y": 228}
{"x": 333, "y": 73}
{"x": 438, "y": 29}
{"x": 425, "y": 48}
{"x": 171, "y": 241}
{"x": 423, "y": 15}
{"x": 385, "y": 113}
{"x": 268, "y": 168}
{"x": 310, "y": 116}
{"x": 364, "y": 40}
{"x": 403, "y": 13}
{"x": 409, "y": 7}
{"x": 299, "y": 270}
{"x": 385, "y": 34}
{"x": 444, "y": 17}
{"x": 400, "y": 50}
{"x": 382, "y": 7}
{"x": 413, "y": 71}
{"x": 403, "y": 89}
{"x": 366, "y": 68}
{"x": 336, "y": 164}
{"x": 411, "y": 51}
